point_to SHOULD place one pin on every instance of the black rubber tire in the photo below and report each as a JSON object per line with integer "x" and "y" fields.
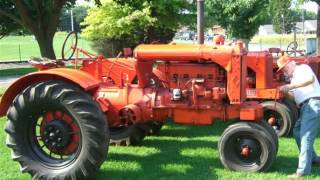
{"x": 235, "y": 132}
{"x": 155, "y": 128}
{"x": 271, "y": 132}
{"x": 126, "y": 136}
{"x": 152, "y": 127}
{"x": 65, "y": 43}
{"x": 52, "y": 95}
{"x": 282, "y": 111}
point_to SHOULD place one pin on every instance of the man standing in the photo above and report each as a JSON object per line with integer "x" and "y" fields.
{"x": 305, "y": 89}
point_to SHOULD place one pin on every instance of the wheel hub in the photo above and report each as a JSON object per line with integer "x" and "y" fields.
{"x": 245, "y": 151}
{"x": 272, "y": 121}
{"x": 249, "y": 148}
{"x": 56, "y": 135}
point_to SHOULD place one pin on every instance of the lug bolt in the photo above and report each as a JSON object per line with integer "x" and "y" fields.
{"x": 59, "y": 139}
{"x": 51, "y": 135}
{"x": 57, "y": 131}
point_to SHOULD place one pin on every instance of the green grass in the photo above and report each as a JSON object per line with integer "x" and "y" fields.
{"x": 179, "y": 152}
{"x": 9, "y": 46}
{"x": 280, "y": 39}
{"x": 16, "y": 71}
{"x": 2, "y": 89}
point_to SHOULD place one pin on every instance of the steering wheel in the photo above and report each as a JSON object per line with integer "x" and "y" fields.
{"x": 292, "y": 47}
{"x": 69, "y": 46}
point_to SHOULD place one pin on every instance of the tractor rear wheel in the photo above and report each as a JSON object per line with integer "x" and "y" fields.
{"x": 155, "y": 128}
{"x": 278, "y": 117}
{"x": 125, "y": 136}
{"x": 56, "y": 131}
{"x": 244, "y": 147}
{"x": 152, "y": 127}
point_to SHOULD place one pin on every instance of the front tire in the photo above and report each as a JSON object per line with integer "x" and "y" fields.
{"x": 56, "y": 131}
{"x": 244, "y": 147}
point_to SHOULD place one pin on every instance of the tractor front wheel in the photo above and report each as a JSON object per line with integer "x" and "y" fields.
{"x": 244, "y": 147}
{"x": 56, "y": 131}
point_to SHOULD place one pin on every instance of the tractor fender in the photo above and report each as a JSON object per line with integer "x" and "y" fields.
{"x": 84, "y": 80}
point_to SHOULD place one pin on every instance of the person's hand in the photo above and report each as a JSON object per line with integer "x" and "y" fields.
{"x": 285, "y": 88}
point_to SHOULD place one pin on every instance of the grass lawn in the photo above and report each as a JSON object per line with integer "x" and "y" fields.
{"x": 9, "y": 46}
{"x": 179, "y": 152}
{"x": 280, "y": 39}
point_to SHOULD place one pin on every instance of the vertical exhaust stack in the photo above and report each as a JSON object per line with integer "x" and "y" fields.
{"x": 200, "y": 21}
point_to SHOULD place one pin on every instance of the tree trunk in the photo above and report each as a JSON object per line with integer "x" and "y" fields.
{"x": 318, "y": 31}
{"x": 45, "y": 42}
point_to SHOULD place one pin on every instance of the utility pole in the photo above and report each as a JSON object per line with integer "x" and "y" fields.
{"x": 282, "y": 16}
{"x": 283, "y": 28}
{"x": 200, "y": 21}
{"x": 71, "y": 16}
{"x": 303, "y": 21}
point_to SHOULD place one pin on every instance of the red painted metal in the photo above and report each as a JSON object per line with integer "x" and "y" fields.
{"x": 211, "y": 82}
{"x": 74, "y": 130}
{"x": 77, "y": 77}
{"x": 245, "y": 151}
{"x": 272, "y": 121}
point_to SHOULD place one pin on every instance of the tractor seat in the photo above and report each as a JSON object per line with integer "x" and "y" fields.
{"x": 45, "y": 63}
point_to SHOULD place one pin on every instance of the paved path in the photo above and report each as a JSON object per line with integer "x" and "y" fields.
{"x": 14, "y": 65}
{"x": 6, "y": 81}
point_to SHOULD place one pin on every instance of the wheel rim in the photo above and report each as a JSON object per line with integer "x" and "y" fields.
{"x": 274, "y": 119}
{"x": 244, "y": 150}
{"x": 55, "y": 138}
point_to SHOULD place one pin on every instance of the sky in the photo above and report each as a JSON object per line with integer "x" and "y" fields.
{"x": 311, "y": 6}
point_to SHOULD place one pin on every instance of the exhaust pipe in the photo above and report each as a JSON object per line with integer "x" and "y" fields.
{"x": 200, "y": 21}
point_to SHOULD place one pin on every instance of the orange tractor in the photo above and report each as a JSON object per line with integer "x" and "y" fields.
{"x": 62, "y": 120}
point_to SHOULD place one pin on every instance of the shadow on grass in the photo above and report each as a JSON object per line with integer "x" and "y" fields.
{"x": 174, "y": 160}
{"x": 177, "y": 156}
{"x": 180, "y": 152}
{"x": 172, "y": 129}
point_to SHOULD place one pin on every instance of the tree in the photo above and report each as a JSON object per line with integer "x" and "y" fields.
{"x": 241, "y": 18}
{"x": 39, "y": 17}
{"x": 283, "y": 17}
{"x": 170, "y": 15}
{"x": 120, "y": 23}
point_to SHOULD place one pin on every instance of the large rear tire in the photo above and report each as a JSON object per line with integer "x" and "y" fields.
{"x": 244, "y": 147}
{"x": 56, "y": 131}
{"x": 278, "y": 117}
